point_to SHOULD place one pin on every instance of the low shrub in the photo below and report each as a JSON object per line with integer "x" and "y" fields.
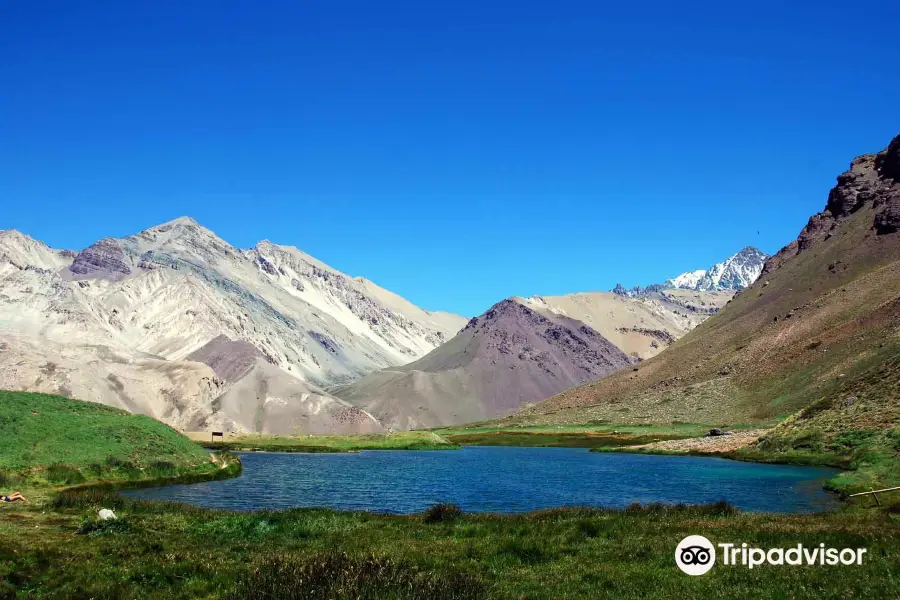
{"x": 587, "y": 528}
{"x": 87, "y": 498}
{"x": 816, "y": 408}
{"x": 441, "y": 513}
{"x": 10, "y": 479}
{"x": 95, "y": 527}
{"x": 852, "y": 439}
{"x": 64, "y": 474}
{"x": 893, "y": 436}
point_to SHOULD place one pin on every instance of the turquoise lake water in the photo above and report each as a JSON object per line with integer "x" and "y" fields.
{"x": 501, "y": 479}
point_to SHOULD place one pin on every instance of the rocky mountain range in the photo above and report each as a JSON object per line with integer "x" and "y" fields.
{"x": 121, "y": 322}
{"x": 179, "y": 324}
{"x": 815, "y": 336}
{"x": 733, "y": 274}
{"x": 509, "y": 356}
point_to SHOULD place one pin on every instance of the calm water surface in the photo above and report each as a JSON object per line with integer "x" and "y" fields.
{"x": 495, "y": 479}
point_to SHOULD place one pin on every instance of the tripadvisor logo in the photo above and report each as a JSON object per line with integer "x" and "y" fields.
{"x": 696, "y": 555}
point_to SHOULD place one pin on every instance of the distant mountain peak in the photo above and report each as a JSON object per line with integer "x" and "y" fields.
{"x": 179, "y": 221}
{"x": 736, "y": 272}
{"x": 505, "y": 308}
{"x": 502, "y": 359}
{"x": 180, "y": 228}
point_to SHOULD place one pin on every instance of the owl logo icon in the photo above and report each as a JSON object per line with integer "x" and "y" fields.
{"x": 695, "y": 555}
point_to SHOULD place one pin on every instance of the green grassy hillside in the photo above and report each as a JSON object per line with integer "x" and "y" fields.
{"x": 401, "y": 440}
{"x": 855, "y": 425}
{"x": 51, "y": 439}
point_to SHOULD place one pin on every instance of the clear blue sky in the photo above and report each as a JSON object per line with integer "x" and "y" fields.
{"x": 456, "y": 153}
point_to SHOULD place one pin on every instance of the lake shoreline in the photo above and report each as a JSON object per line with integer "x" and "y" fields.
{"x": 501, "y": 480}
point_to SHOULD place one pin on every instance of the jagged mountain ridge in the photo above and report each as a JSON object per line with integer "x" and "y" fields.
{"x": 507, "y": 357}
{"x": 735, "y": 273}
{"x": 171, "y": 289}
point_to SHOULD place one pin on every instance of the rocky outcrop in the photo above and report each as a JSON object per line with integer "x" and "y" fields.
{"x": 102, "y": 260}
{"x": 637, "y": 291}
{"x": 887, "y": 163}
{"x": 657, "y": 334}
{"x": 873, "y": 181}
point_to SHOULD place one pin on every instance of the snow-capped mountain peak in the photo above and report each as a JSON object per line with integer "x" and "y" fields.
{"x": 687, "y": 280}
{"x": 735, "y": 273}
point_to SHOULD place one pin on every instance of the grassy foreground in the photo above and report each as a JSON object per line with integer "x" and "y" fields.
{"x": 163, "y": 550}
{"x": 403, "y": 440}
{"x": 56, "y": 548}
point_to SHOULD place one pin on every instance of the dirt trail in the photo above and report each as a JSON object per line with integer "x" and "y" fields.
{"x": 717, "y": 444}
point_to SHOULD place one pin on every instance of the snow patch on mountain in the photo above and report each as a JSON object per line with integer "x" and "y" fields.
{"x": 687, "y": 281}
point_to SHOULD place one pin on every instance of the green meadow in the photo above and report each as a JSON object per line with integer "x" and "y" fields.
{"x": 70, "y": 458}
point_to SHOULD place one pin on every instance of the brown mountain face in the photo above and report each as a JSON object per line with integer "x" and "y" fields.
{"x": 265, "y": 398}
{"x": 509, "y": 356}
{"x": 823, "y": 317}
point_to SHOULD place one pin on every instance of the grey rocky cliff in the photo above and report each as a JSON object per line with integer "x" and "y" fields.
{"x": 872, "y": 182}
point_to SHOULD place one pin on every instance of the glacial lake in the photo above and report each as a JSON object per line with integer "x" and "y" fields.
{"x": 501, "y": 479}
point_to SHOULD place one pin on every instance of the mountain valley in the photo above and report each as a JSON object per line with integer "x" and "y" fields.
{"x": 176, "y": 323}
{"x": 812, "y": 344}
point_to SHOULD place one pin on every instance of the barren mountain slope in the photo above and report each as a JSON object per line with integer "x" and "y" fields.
{"x": 179, "y": 393}
{"x": 641, "y": 326}
{"x": 171, "y": 289}
{"x": 264, "y": 399}
{"x": 825, "y": 310}
{"x": 503, "y": 359}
